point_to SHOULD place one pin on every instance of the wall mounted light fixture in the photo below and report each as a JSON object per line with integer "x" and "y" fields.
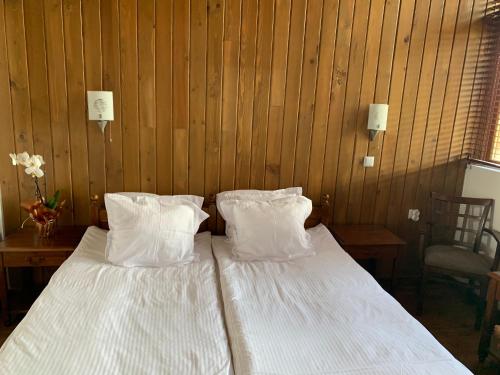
{"x": 100, "y": 107}
{"x": 377, "y": 119}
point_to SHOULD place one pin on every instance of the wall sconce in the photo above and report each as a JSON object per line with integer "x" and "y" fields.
{"x": 100, "y": 106}
{"x": 377, "y": 119}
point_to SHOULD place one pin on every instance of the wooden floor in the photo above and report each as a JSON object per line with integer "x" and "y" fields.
{"x": 447, "y": 315}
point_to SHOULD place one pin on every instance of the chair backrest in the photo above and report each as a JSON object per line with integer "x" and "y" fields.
{"x": 458, "y": 220}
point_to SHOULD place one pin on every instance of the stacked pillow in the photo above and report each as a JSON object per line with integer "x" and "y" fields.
{"x": 266, "y": 225}
{"x": 152, "y": 230}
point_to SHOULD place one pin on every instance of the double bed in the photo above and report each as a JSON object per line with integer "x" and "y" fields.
{"x": 321, "y": 314}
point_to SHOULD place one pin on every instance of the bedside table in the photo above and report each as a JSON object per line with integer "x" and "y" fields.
{"x": 370, "y": 243}
{"x": 25, "y": 249}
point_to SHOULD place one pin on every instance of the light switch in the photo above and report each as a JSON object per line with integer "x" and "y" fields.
{"x": 369, "y": 161}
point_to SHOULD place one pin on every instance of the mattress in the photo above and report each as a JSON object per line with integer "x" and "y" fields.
{"x": 322, "y": 314}
{"x": 96, "y": 318}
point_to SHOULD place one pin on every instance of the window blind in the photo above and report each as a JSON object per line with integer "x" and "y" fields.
{"x": 483, "y": 133}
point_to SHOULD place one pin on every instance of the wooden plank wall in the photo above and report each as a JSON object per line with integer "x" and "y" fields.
{"x": 214, "y": 95}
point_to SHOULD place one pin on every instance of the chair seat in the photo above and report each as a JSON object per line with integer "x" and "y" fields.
{"x": 457, "y": 259}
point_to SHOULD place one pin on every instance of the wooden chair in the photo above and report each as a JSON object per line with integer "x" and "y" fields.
{"x": 450, "y": 245}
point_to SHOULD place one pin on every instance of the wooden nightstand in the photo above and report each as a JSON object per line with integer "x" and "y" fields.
{"x": 370, "y": 243}
{"x": 25, "y": 249}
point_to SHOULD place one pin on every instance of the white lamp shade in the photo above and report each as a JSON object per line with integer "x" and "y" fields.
{"x": 100, "y": 105}
{"x": 377, "y": 117}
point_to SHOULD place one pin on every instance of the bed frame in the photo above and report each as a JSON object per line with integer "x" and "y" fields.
{"x": 215, "y": 223}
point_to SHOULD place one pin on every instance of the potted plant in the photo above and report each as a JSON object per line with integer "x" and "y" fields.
{"x": 43, "y": 211}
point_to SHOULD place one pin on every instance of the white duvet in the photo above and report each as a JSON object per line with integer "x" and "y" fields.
{"x": 96, "y": 318}
{"x": 321, "y": 315}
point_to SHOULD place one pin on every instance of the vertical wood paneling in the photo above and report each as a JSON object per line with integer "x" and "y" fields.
{"x": 76, "y": 110}
{"x": 382, "y": 86}
{"x": 436, "y": 101}
{"x": 421, "y": 107}
{"x": 277, "y": 94}
{"x": 337, "y": 96}
{"x": 322, "y": 104}
{"x": 39, "y": 87}
{"x": 19, "y": 88}
{"x": 197, "y": 94}
{"x": 8, "y": 178}
{"x": 93, "y": 81}
{"x": 58, "y": 99}
{"x": 369, "y": 79}
{"x": 147, "y": 113}
{"x": 248, "y": 44}
{"x": 307, "y": 94}
{"x": 111, "y": 82}
{"x": 395, "y": 101}
{"x": 180, "y": 110}
{"x": 406, "y": 116}
{"x": 262, "y": 89}
{"x": 213, "y": 95}
{"x": 292, "y": 94}
{"x": 129, "y": 86}
{"x": 164, "y": 125}
{"x": 348, "y": 132}
{"x": 231, "y": 52}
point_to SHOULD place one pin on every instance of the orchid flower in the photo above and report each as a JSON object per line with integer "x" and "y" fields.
{"x": 23, "y": 158}
{"x": 13, "y": 158}
{"x": 33, "y": 167}
{"x": 20, "y": 159}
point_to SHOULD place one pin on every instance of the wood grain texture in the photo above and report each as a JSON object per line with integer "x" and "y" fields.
{"x": 213, "y": 95}
{"x": 19, "y": 88}
{"x": 58, "y": 99}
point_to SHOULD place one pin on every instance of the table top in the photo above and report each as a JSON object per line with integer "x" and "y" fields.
{"x": 365, "y": 235}
{"x": 66, "y": 238}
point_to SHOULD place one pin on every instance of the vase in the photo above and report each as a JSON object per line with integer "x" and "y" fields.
{"x": 47, "y": 229}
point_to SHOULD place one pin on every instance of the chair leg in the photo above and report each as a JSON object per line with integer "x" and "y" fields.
{"x": 421, "y": 292}
{"x": 481, "y": 304}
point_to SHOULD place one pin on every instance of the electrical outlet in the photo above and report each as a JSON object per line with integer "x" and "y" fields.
{"x": 414, "y": 214}
{"x": 368, "y": 161}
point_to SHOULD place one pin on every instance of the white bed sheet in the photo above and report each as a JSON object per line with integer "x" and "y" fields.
{"x": 97, "y": 318}
{"x": 322, "y": 314}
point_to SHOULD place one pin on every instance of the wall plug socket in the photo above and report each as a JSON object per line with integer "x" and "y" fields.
{"x": 414, "y": 214}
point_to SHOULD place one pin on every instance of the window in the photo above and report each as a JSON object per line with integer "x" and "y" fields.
{"x": 495, "y": 144}
{"x": 484, "y": 111}
{"x": 492, "y": 108}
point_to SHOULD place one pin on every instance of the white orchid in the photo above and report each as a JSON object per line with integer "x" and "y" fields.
{"x": 33, "y": 166}
{"x": 20, "y": 159}
{"x": 43, "y": 210}
{"x": 40, "y": 158}
{"x": 33, "y": 163}
{"x": 13, "y": 158}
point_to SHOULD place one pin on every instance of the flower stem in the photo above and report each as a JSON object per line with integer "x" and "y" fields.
{"x": 38, "y": 192}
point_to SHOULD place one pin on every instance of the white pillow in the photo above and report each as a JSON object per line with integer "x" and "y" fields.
{"x": 252, "y": 195}
{"x": 151, "y": 231}
{"x": 269, "y": 230}
{"x": 192, "y": 198}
